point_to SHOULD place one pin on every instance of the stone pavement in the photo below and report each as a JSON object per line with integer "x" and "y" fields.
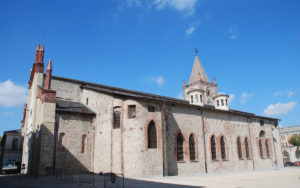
{"x": 283, "y": 178}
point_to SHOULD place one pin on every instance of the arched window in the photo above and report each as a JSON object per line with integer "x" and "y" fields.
{"x": 61, "y": 141}
{"x": 262, "y": 134}
{"x": 213, "y": 148}
{"x": 152, "y": 140}
{"x": 223, "y": 151}
{"x": 179, "y": 147}
{"x": 14, "y": 144}
{"x": 267, "y": 149}
{"x": 83, "y": 143}
{"x": 261, "y": 149}
{"x": 239, "y": 146}
{"x": 192, "y": 148}
{"x": 247, "y": 148}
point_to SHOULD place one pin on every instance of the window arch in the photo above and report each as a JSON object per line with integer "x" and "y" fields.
{"x": 262, "y": 134}
{"x": 179, "y": 147}
{"x": 61, "y": 141}
{"x": 267, "y": 149}
{"x": 152, "y": 138}
{"x": 213, "y": 148}
{"x": 247, "y": 148}
{"x": 83, "y": 143}
{"x": 223, "y": 151}
{"x": 239, "y": 146}
{"x": 260, "y": 149}
{"x": 192, "y": 148}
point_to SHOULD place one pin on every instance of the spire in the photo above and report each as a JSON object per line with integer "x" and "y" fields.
{"x": 198, "y": 71}
{"x": 48, "y": 75}
{"x": 49, "y": 66}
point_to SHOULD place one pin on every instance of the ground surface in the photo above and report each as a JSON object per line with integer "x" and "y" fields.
{"x": 283, "y": 178}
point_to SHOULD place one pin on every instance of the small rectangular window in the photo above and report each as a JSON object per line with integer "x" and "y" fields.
{"x": 151, "y": 109}
{"x": 201, "y": 98}
{"x": 196, "y": 98}
{"x": 222, "y": 102}
{"x": 131, "y": 111}
{"x": 192, "y": 99}
{"x": 117, "y": 117}
{"x": 226, "y": 102}
{"x": 261, "y": 122}
{"x": 218, "y": 104}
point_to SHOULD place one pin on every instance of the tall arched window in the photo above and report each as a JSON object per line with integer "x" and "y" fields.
{"x": 61, "y": 141}
{"x": 14, "y": 144}
{"x": 247, "y": 148}
{"x": 267, "y": 149}
{"x": 260, "y": 149}
{"x": 179, "y": 147}
{"x": 152, "y": 140}
{"x": 192, "y": 148}
{"x": 223, "y": 151}
{"x": 83, "y": 143}
{"x": 213, "y": 148}
{"x": 239, "y": 146}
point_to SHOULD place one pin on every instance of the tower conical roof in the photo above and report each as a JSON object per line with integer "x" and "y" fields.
{"x": 198, "y": 70}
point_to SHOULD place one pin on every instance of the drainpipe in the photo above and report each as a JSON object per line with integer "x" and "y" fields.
{"x": 249, "y": 120}
{"x": 163, "y": 129}
{"x": 203, "y": 132}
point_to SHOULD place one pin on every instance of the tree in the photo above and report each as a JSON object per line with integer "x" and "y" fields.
{"x": 286, "y": 154}
{"x": 0, "y": 145}
{"x": 295, "y": 140}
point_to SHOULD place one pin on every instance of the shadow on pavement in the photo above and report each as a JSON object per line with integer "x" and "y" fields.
{"x": 24, "y": 181}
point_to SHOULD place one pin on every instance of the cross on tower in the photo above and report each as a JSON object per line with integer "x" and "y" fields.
{"x": 196, "y": 51}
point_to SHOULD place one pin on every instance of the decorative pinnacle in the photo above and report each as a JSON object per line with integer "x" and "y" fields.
{"x": 38, "y": 47}
{"x": 196, "y": 52}
{"x": 42, "y": 48}
{"x": 49, "y": 66}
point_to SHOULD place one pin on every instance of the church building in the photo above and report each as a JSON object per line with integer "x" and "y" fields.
{"x": 81, "y": 126}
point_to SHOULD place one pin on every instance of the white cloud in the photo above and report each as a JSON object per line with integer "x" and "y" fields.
{"x": 233, "y": 32}
{"x": 190, "y": 30}
{"x": 245, "y": 97}
{"x": 12, "y": 94}
{"x": 159, "y": 80}
{"x": 280, "y": 108}
{"x": 187, "y": 6}
{"x": 9, "y": 114}
{"x": 290, "y": 93}
{"x": 231, "y": 98}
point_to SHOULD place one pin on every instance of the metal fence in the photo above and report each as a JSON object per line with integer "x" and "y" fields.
{"x": 90, "y": 179}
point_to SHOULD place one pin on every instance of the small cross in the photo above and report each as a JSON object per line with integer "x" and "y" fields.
{"x": 196, "y": 51}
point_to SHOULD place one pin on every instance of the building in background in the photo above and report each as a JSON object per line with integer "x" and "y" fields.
{"x": 81, "y": 126}
{"x": 11, "y": 145}
{"x": 289, "y": 151}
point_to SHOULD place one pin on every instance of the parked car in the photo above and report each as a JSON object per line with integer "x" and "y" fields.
{"x": 11, "y": 166}
{"x": 297, "y": 163}
{"x": 289, "y": 164}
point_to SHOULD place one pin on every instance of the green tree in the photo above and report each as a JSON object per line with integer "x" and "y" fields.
{"x": 286, "y": 154}
{"x": 0, "y": 145}
{"x": 295, "y": 140}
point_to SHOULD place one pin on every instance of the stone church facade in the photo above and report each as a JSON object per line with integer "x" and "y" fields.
{"x": 82, "y": 126}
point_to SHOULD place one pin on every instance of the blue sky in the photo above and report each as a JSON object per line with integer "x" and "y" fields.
{"x": 251, "y": 47}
